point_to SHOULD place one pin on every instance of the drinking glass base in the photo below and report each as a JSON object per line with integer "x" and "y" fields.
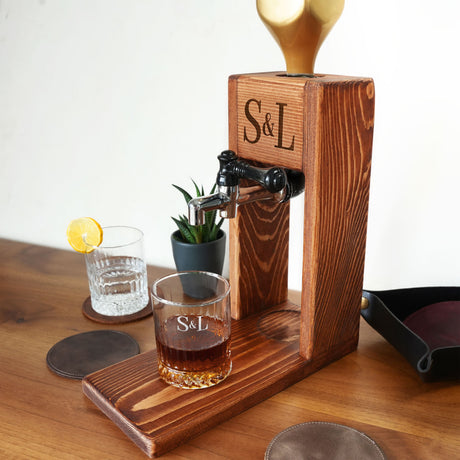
{"x": 194, "y": 379}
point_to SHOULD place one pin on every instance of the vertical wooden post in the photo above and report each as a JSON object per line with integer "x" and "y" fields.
{"x": 337, "y": 163}
{"x": 259, "y": 250}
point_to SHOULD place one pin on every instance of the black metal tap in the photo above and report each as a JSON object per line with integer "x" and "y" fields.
{"x": 278, "y": 184}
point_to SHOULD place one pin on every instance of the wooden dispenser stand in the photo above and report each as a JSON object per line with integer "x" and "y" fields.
{"x": 321, "y": 125}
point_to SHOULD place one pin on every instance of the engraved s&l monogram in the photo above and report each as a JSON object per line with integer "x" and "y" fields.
{"x": 268, "y": 127}
{"x": 184, "y": 324}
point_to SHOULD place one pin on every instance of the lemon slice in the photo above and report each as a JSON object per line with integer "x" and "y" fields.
{"x": 84, "y": 234}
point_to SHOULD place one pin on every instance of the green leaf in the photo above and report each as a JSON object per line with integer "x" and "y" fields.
{"x": 197, "y": 189}
{"x": 210, "y": 219}
{"x": 195, "y": 230}
{"x": 215, "y": 230}
{"x": 185, "y": 194}
{"x": 185, "y": 232}
{"x": 198, "y": 234}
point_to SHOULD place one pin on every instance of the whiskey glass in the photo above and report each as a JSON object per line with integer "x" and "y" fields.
{"x": 191, "y": 312}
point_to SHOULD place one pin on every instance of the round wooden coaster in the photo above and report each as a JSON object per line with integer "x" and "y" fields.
{"x": 87, "y": 352}
{"x": 90, "y": 313}
{"x": 323, "y": 441}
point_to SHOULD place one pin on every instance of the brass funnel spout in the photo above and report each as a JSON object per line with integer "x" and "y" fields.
{"x": 300, "y": 27}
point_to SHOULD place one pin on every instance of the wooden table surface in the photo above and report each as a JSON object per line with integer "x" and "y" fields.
{"x": 44, "y": 416}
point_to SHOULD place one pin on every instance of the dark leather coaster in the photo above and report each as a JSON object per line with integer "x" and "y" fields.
{"x": 87, "y": 352}
{"x": 90, "y": 313}
{"x": 322, "y": 441}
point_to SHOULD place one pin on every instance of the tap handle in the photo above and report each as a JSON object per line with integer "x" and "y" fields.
{"x": 273, "y": 179}
{"x": 232, "y": 170}
{"x": 226, "y": 177}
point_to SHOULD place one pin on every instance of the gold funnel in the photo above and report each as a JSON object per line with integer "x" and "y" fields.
{"x": 300, "y": 27}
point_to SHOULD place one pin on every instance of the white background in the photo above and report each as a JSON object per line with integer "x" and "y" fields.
{"x": 105, "y": 103}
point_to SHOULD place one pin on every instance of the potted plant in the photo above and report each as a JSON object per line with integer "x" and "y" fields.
{"x": 198, "y": 247}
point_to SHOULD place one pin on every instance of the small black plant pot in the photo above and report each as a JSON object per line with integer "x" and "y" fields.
{"x": 208, "y": 257}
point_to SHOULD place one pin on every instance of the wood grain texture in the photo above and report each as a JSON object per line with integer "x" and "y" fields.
{"x": 46, "y": 417}
{"x": 258, "y": 251}
{"x": 158, "y": 417}
{"x": 266, "y": 92}
{"x": 337, "y": 170}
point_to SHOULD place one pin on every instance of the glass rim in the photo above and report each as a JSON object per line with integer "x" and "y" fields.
{"x": 215, "y": 299}
{"x": 139, "y": 237}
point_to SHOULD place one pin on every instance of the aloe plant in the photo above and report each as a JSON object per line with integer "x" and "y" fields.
{"x": 201, "y": 233}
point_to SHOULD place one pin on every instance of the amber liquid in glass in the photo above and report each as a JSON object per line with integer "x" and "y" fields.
{"x": 193, "y": 351}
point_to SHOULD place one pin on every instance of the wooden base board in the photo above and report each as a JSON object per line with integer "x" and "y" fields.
{"x": 159, "y": 417}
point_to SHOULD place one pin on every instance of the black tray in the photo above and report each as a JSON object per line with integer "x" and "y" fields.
{"x": 391, "y": 313}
